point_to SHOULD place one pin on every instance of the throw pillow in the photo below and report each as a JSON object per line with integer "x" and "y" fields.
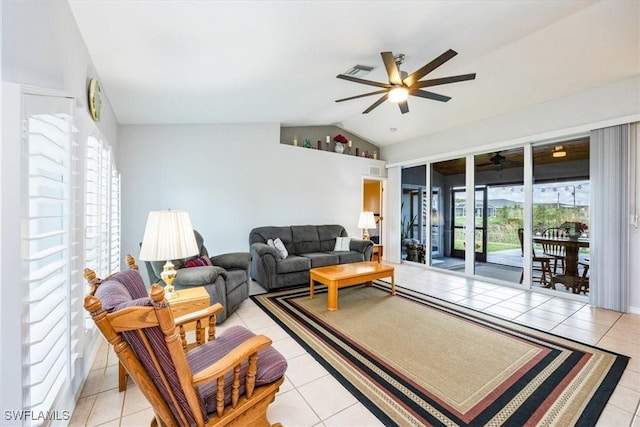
{"x": 279, "y": 247}
{"x": 342, "y": 244}
{"x": 198, "y": 262}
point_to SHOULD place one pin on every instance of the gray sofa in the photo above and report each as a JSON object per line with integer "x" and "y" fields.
{"x": 309, "y": 246}
{"x": 226, "y": 280}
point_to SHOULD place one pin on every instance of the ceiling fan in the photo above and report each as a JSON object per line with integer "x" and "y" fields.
{"x": 500, "y": 162}
{"x": 401, "y": 84}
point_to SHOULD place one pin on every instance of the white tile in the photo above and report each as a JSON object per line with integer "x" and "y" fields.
{"x": 290, "y": 409}
{"x": 108, "y": 407}
{"x": 326, "y": 396}
{"x": 134, "y": 401}
{"x": 289, "y": 348}
{"x": 303, "y": 369}
{"x": 354, "y": 416}
{"x": 140, "y": 418}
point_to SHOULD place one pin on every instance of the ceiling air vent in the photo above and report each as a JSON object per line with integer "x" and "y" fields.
{"x": 358, "y": 70}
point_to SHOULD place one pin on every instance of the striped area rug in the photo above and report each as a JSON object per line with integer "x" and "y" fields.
{"x": 417, "y": 360}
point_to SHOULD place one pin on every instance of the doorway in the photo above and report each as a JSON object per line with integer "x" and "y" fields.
{"x": 372, "y": 202}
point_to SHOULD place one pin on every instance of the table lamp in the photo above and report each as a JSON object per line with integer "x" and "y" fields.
{"x": 168, "y": 235}
{"x": 366, "y": 221}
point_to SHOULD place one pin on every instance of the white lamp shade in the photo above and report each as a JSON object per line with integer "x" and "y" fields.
{"x": 168, "y": 235}
{"x": 366, "y": 220}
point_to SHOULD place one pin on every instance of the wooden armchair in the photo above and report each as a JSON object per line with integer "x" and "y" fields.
{"x": 228, "y": 380}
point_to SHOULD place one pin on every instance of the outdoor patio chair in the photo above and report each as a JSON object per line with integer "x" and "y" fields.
{"x": 557, "y": 252}
{"x": 540, "y": 263}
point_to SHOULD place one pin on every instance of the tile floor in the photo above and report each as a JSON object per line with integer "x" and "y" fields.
{"x": 303, "y": 398}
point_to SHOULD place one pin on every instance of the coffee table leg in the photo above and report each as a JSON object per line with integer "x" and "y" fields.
{"x": 393, "y": 285}
{"x": 311, "y": 288}
{"x": 332, "y": 297}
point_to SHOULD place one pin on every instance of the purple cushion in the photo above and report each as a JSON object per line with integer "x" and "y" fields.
{"x": 271, "y": 364}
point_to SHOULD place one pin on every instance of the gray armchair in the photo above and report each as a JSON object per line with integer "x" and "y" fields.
{"x": 226, "y": 279}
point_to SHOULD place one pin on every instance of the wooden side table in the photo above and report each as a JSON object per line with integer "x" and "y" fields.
{"x": 187, "y": 301}
{"x": 377, "y": 253}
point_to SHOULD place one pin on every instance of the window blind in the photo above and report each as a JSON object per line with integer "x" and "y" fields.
{"x": 46, "y": 256}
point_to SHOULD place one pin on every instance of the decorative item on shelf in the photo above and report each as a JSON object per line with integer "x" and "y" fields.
{"x": 307, "y": 143}
{"x": 575, "y": 229}
{"x": 357, "y": 152}
{"x": 366, "y": 221}
{"x": 319, "y": 145}
{"x": 349, "y": 145}
{"x": 295, "y": 141}
{"x": 168, "y": 235}
{"x": 340, "y": 141}
{"x": 328, "y": 141}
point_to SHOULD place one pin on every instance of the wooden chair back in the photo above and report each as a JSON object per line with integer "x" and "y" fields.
{"x": 554, "y": 249}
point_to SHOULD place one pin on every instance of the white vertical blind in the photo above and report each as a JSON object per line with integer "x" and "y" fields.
{"x": 47, "y": 251}
{"x": 609, "y": 271}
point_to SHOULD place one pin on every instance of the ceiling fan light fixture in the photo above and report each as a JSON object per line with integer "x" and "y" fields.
{"x": 558, "y": 151}
{"x": 398, "y": 94}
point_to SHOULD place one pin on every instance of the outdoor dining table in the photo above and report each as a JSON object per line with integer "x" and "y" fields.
{"x": 570, "y": 276}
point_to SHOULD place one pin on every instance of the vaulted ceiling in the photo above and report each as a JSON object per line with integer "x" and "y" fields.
{"x": 276, "y": 61}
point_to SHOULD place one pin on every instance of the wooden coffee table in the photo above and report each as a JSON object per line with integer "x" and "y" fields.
{"x": 337, "y": 276}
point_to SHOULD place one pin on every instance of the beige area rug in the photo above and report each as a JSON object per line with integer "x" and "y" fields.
{"x": 417, "y": 360}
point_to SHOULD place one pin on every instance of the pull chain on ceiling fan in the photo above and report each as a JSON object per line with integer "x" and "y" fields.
{"x": 402, "y": 84}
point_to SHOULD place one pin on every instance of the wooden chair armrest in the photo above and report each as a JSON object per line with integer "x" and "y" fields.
{"x": 231, "y": 359}
{"x": 203, "y": 314}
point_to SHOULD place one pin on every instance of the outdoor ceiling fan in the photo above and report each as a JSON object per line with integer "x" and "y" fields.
{"x": 500, "y": 162}
{"x": 402, "y": 84}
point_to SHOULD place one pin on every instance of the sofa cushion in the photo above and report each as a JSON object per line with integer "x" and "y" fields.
{"x": 351, "y": 256}
{"x": 279, "y": 247}
{"x": 320, "y": 259}
{"x": 263, "y": 234}
{"x": 293, "y": 264}
{"x": 342, "y": 244}
{"x": 327, "y": 235}
{"x": 271, "y": 364}
{"x": 305, "y": 239}
{"x": 197, "y": 262}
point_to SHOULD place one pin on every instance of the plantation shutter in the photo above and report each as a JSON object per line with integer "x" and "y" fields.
{"x": 114, "y": 217}
{"x": 48, "y": 255}
{"x": 102, "y": 209}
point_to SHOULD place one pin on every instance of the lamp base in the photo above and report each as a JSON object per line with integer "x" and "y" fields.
{"x": 365, "y": 234}
{"x": 168, "y": 276}
{"x": 169, "y": 292}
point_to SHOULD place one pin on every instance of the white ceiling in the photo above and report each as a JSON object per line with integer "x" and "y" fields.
{"x": 277, "y": 61}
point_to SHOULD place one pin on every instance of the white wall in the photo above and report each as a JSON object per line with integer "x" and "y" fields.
{"x": 232, "y": 178}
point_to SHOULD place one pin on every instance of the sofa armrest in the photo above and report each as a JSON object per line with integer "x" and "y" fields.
{"x": 233, "y": 260}
{"x": 264, "y": 259}
{"x": 199, "y": 276}
{"x": 360, "y": 245}
{"x": 262, "y": 249}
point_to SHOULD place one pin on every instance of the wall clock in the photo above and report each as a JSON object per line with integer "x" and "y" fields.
{"x": 95, "y": 99}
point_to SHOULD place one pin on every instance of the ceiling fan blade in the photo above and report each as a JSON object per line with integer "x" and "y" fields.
{"x": 430, "y": 95}
{"x": 404, "y": 107}
{"x": 444, "y": 80}
{"x": 363, "y": 81}
{"x": 363, "y": 95}
{"x": 417, "y": 75}
{"x": 375, "y": 104}
{"x": 392, "y": 68}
